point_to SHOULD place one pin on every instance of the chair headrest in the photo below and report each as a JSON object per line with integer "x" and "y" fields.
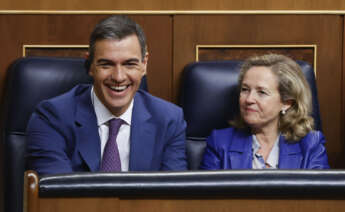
{"x": 32, "y": 79}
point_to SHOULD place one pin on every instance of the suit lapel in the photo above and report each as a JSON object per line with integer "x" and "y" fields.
{"x": 240, "y": 151}
{"x": 88, "y": 141}
{"x": 290, "y": 156}
{"x": 142, "y": 136}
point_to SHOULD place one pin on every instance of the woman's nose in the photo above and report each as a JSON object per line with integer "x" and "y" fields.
{"x": 250, "y": 97}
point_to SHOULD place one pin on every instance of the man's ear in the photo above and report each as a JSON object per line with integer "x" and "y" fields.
{"x": 145, "y": 60}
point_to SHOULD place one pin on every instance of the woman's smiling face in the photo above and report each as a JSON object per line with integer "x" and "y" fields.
{"x": 260, "y": 100}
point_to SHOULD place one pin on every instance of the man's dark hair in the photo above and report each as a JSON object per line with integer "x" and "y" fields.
{"x": 116, "y": 27}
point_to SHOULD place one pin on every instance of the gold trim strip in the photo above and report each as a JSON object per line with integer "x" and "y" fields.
{"x": 25, "y": 46}
{"x": 177, "y": 12}
{"x": 260, "y": 46}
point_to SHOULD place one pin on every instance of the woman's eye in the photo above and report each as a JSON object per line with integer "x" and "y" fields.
{"x": 244, "y": 89}
{"x": 262, "y": 92}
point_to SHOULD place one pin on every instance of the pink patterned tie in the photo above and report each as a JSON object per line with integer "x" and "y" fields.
{"x": 111, "y": 158}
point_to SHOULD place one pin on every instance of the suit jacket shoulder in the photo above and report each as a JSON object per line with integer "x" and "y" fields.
{"x": 308, "y": 153}
{"x": 230, "y": 138}
{"x": 63, "y": 107}
{"x": 314, "y": 151}
{"x": 61, "y": 130}
{"x": 157, "y": 135}
{"x": 157, "y": 107}
{"x": 312, "y": 140}
{"x": 228, "y": 148}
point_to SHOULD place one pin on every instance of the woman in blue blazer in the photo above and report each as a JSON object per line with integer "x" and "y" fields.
{"x": 274, "y": 129}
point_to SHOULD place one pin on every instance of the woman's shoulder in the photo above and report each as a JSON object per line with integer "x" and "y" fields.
{"x": 312, "y": 139}
{"x": 314, "y": 134}
{"x": 225, "y": 134}
{"x": 220, "y": 138}
{"x": 226, "y": 131}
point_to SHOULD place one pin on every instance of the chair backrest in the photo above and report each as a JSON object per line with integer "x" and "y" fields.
{"x": 31, "y": 80}
{"x": 209, "y": 98}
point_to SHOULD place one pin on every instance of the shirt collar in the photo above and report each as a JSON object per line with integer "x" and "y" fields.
{"x": 104, "y": 115}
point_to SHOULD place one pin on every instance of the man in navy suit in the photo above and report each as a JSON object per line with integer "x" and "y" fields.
{"x": 69, "y": 133}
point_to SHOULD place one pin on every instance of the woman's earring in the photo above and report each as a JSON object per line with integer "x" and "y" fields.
{"x": 283, "y": 112}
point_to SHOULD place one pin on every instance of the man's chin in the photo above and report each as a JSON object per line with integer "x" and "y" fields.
{"x": 117, "y": 107}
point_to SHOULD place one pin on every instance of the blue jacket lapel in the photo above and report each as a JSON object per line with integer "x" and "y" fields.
{"x": 88, "y": 141}
{"x": 142, "y": 136}
{"x": 290, "y": 156}
{"x": 241, "y": 151}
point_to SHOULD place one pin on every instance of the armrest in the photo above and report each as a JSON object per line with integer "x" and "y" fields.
{"x": 248, "y": 183}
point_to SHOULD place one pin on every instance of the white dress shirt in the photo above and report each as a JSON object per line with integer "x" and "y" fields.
{"x": 103, "y": 116}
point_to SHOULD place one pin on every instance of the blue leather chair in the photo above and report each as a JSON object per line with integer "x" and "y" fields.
{"x": 209, "y": 98}
{"x": 31, "y": 80}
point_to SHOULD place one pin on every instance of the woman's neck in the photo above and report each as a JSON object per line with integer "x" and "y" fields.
{"x": 266, "y": 138}
{"x": 267, "y": 134}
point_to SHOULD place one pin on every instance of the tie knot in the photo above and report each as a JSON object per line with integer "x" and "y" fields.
{"x": 114, "y": 125}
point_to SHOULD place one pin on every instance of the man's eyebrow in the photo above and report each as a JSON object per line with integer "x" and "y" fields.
{"x": 104, "y": 61}
{"x": 131, "y": 60}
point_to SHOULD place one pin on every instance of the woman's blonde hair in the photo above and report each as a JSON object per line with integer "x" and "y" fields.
{"x": 292, "y": 86}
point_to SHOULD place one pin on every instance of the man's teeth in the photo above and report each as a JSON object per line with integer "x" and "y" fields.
{"x": 118, "y": 88}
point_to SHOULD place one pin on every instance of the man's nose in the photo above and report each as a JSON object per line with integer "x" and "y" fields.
{"x": 118, "y": 74}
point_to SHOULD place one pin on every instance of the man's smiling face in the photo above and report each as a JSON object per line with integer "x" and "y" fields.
{"x": 117, "y": 69}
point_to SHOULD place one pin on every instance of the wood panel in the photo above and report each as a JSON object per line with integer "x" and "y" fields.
{"x": 342, "y": 97}
{"x": 18, "y": 30}
{"x": 325, "y": 31}
{"x": 172, "y": 5}
{"x": 51, "y": 51}
{"x": 188, "y": 205}
{"x": 306, "y": 54}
